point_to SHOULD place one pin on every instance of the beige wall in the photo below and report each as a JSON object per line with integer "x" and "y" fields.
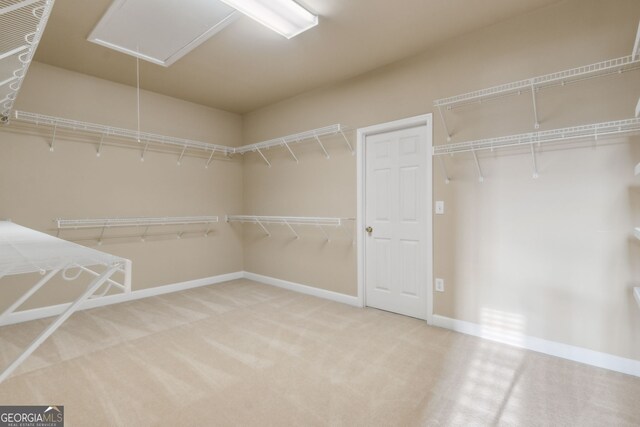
{"x": 556, "y": 254}
{"x": 552, "y": 257}
{"x": 37, "y": 186}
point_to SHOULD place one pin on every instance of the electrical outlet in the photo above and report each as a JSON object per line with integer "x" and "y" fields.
{"x": 439, "y": 285}
{"x": 439, "y": 207}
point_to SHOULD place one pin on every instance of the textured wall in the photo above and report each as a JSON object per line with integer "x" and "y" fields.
{"x": 552, "y": 257}
{"x": 37, "y": 186}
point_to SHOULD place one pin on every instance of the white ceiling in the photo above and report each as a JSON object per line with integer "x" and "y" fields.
{"x": 246, "y": 66}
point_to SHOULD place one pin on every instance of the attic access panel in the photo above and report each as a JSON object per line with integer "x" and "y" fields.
{"x": 160, "y": 32}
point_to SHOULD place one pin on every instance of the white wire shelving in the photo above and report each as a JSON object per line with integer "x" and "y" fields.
{"x": 145, "y": 138}
{"x": 597, "y": 130}
{"x": 138, "y": 222}
{"x": 290, "y": 221}
{"x": 24, "y": 251}
{"x": 287, "y": 141}
{"x": 604, "y": 68}
{"x": 22, "y": 23}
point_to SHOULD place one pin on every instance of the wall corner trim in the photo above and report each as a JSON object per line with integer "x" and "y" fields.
{"x": 304, "y": 289}
{"x": 552, "y": 348}
{"x": 54, "y": 310}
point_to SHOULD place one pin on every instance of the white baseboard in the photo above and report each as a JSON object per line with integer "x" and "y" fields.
{"x": 304, "y": 289}
{"x": 54, "y": 310}
{"x": 552, "y": 348}
{"x": 565, "y": 351}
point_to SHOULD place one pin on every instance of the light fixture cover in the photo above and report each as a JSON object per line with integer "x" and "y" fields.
{"x": 285, "y": 17}
{"x": 160, "y": 32}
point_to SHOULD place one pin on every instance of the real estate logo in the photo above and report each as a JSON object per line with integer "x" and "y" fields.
{"x": 32, "y": 416}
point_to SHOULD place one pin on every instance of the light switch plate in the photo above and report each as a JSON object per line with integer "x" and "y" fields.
{"x": 439, "y": 207}
{"x": 439, "y": 285}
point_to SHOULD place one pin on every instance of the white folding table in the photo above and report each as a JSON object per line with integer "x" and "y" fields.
{"x": 23, "y": 250}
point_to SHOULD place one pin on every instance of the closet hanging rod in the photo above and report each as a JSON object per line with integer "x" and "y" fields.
{"x": 143, "y": 137}
{"x": 289, "y": 139}
{"x": 132, "y": 222}
{"x": 290, "y": 222}
{"x": 619, "y": 127}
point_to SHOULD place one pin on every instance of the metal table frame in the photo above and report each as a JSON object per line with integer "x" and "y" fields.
{"x": 23, "y": 250}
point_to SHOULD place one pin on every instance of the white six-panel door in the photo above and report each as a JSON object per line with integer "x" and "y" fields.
{"x": 396, "y": 252}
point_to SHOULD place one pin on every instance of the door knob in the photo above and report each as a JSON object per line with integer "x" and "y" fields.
{"x": 369, "y": 230}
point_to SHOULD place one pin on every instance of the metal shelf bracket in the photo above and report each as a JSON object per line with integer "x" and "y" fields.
{"x": 263, "y": 157}
{"x": 322, "y": 146}
{"x": 535, "y": 164}
{"x": 182, "y": 155}
{"x": 480, "y": 176}
{"x": 444, "y": 123}
{"x": 53, "y": 138}
{"x": 290, "y": 150}
{"x": 99, "y": 151}
{"x": 291, "y": 228}
{"x": 210, "y": 158}
{"x": 347, "y": 142}
{"x": 444, "y": 170}
{"x": 263, "y": 227}
{"x": 536, "y": 122}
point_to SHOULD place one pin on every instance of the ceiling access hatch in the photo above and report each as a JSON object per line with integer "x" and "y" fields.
{"x": 160, "y": 32}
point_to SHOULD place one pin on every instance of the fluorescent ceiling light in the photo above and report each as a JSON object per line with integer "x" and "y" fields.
{"x": 282, "y": 16}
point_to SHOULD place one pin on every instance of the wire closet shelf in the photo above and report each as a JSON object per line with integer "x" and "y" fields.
{"x": 22, "y": 23}
{"x": 533, "y": 84}
{"x": 133, "y": 222}
{"x": 289, "y": 222}
{"x": 596, "y": 130}
{"x": 532, "y": 139}
{"x": 611, "y": 66}
{"x": 145, "y": 138}
{"x": 286, "y": 142}
{"x": 143, "y": 223}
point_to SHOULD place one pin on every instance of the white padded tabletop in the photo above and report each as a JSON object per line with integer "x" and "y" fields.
{"x": 23, "y": 250}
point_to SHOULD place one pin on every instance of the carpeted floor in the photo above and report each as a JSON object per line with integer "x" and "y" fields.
{"x": 242, "y": 353}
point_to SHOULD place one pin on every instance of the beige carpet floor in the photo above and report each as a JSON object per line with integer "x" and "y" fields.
{"x": 246, "y": 354}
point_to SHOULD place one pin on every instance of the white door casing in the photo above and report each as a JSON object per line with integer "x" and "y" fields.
{"x": 395, "y": 259}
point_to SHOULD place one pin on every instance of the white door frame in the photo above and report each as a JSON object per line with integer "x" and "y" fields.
{"x": 422, "y": 120}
